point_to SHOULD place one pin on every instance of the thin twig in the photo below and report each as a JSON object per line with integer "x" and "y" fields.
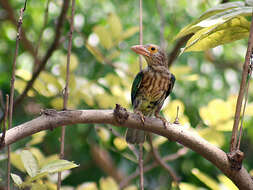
{"x": 66, "y": 89}
{"x": 141, "y": 166}
{"x": 19, "y": 25}
{"x": 5, "y": 121}
{"x": 153, "y": 165}
{"x": 245, "y": 105}
{"x": 162, "y": 24}
{"x": 141, "y": 31}
{"x": 245, "y": 72}
{"x": 40, "y": 35}
{"x": 163, "y": 164}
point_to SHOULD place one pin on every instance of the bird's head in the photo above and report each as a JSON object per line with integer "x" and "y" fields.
{"x": 154, "y": 55}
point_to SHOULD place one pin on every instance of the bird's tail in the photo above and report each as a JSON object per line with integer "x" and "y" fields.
{"x": 135, "y": 136}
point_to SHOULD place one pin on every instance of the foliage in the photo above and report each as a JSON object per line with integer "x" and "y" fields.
{"x": 101, "y": 72}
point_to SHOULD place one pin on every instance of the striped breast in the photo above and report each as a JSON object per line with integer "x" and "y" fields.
{"x": 154, "y": 85}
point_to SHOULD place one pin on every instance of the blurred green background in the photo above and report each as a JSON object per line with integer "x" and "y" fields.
{"x": 102, "y": 70}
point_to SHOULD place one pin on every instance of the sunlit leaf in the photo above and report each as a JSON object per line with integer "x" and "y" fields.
{"x": 208, "y": 181}
{"x": 57, "y": 103}
{"x": 129, "y": 32}
{"x": 37, "y": 138}
{"x": 114, "y": 54}
{"x": 120, "y": 143}
{"x": 17, "y": 162}
{"x": 131, "y": 187}
{"x": 115, "y": 25}
{"x": 227, "y": 182}
{"x": 37, "y": 186}
{"x": 187, "y": 186}
{"x": 103, "y": 133}
{"x": 108, "y": 183}
{"x": 38, "y": 155}
{"x": 213, "y": 136}
{"x": 159, "y": 140}
{"x": 225, "y": 126}
{"x": 104, "y": 36}
{"x": 30, "y": 163}
{"x": 209, "y": 37}
{"x": 88, "y": 186}
{"x": 17, "y": 179}
{"x": 24, "y": 74}
{"x": 96, "y": 52}
{"x": 58, "y": 166}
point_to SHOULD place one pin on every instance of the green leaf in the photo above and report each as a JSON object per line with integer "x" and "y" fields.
{"x": 17, "y": 162}
{"x": 38, "y": 176}
{"x": 29, "y": 162}
{"x": 234, "y": 29}
{"x": 104, "y": 36}
{"x": 115, "y": 25}
{"x": 17, "y": 179}
{"x": 211, "y": 16}
{"x": 37, "y": 138}
{"x": 108, "y": 183}
{"x": 58, "y": 166}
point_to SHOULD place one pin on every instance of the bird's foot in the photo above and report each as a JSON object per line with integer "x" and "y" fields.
{"x": 142, "y": 117}
{"x": 165, "y": 122}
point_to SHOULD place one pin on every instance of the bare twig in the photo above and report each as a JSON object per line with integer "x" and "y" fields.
{"x": 141, "y": 31}
{"x": 245, "y": 72}
{"x": 6, "y": 110}
{"x": 163, "y": 164}
{"x": 53, "y": 119}
{"x": 153, "y": 165}
{"x": 11, "y": 16}
{"x": 176, "y": 50}
{"x": 66, "y": 89}
{"x": 141, "y": 166}
{"x": 19, "y": 25}
{"x": 162, "y": 24}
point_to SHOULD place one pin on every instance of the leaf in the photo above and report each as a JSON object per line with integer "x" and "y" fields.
{"x": 24, "y": 74}
{"x": 120, "y": 143}
{"x": 213, "y": 136}
{"x": 17, "y": 162}
{"x": 29, "y": 162}
{"x": 37, "y": 138}
{"x": 128, "y": 33}
{"x": 115, "y": 25}
{"x": 131, "y": 187}
{"x": 234, "y": 29}
{"x": 38, "y": 155}
{"x": 108, "y": 183}
{"x": 103, "y": 133}
{"x": 187, "y": 186}
{"x": 96, "y": 52}
{"x": 58, "y": 166}
{"x": 227, "y": 182}
{"x": 38, "y": 176}
{"x": 208, "y": 181}
{"x": 17, "y": 179}
{"x": 88, "y": 186}
{"x": 104, "y": 36}
{"x": 210, "y": 14}
{"x": 38, "y": 186}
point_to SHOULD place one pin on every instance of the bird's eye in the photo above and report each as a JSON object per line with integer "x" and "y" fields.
{"x": 152, "y": 49}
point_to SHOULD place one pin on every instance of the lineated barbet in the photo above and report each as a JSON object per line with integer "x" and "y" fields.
{"x": 150, "y": 88}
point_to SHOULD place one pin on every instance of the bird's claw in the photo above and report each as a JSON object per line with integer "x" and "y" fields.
{"x": 165, "y": 122}
{"x": 142, "y": 117}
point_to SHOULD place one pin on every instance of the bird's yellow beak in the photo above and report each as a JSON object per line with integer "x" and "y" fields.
{"x": 140, "y": 49}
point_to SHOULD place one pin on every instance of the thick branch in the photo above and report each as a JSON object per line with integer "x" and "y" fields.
{"x": 53, "y": 119}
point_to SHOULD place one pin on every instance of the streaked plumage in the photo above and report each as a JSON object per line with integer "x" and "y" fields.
{"x": 150, "y": 88}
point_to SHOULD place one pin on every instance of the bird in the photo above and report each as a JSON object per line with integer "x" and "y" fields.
{"x": 150, "y": 88}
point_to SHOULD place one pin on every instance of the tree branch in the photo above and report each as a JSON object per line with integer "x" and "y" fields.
{"x": 52, "y": 119}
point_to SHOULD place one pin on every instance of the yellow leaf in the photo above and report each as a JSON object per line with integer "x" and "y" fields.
{"x": 17, "y": 162}
{"x": 24, "y": 74}
{"x": 38, "y": 155}
{"x": 120, "y": 143}
{"x": 115, "y": 25}
{"x": 129, "y": 32}
{"x": 73, "y": 62}
{"x": 187, "y": 186}
{"x": 108, "y": 183}
{"x": 181, "y": 71}
{"x": 131, "y": 187}
{"x": 88, "y": 186}
{"x": 209, "y": 37}
{"x": 227, "y": 182}
{"x": 103, "y": 134}
{"x": 216, "y": 111}
{"x": 225, "y": 126}
{"x": 104, "y": 36}
{"x": 37, "y": 138}
{"x": 57, "y": 103}
{"x": 96, "y": 52}
{"x": 208, "y": 181}
{"x": 213, "y": 136}
{"x": 159, "y": 140}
